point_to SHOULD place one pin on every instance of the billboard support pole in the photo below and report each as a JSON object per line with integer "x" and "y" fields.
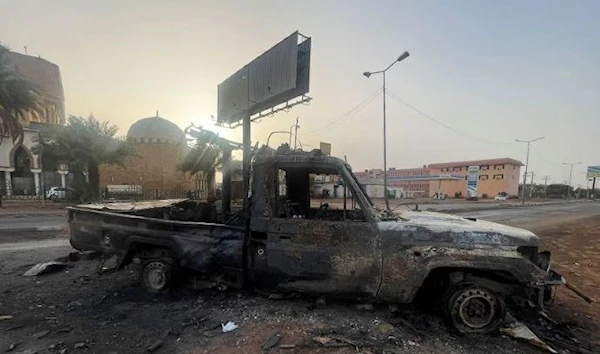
{"x": 246, "y": 162}
{"x": 593, "y": 187}
{"x": 226, "y": 185}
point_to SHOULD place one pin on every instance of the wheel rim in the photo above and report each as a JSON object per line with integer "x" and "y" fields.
{"x": 476, "y": 308}
{"x": 156, "y": 275}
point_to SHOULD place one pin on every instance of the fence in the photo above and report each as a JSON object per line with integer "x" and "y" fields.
{"x": 137, "y": 193}
{"x": 23, "y": 188}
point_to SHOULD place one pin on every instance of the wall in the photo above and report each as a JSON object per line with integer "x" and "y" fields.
{"x": 154, "y": 167}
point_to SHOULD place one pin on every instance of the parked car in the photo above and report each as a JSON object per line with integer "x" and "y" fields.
{"x": 501, "y": 197}
{"x": 56, "y": 193}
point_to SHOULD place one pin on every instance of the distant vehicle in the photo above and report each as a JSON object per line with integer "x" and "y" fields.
{"x": 56, "y": 193}
{"x": 501, "y": 197}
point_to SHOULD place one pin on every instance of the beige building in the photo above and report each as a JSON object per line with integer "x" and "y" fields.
{"x": 20, "y": 167}
{"x": 495, "y": 176}
{"x": 449, "y": 178}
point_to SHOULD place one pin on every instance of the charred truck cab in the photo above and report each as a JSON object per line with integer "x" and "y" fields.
{"x": 297, "y": 241}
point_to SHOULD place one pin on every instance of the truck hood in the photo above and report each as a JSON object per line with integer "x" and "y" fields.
{"x": 433, "y": 227}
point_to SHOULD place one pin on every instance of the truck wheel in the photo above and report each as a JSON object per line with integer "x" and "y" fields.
{"x": 473, "y": 309}
{"x": 157, "y": 274}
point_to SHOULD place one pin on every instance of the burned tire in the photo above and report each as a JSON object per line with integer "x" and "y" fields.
{"x": 471, "y": 308}
{"x": 157, "y": 274}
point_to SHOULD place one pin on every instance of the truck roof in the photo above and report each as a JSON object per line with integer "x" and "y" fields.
{"x": 284, "y": 154}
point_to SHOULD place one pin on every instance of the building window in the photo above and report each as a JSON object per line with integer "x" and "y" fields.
{"x": 498, "y": 176}
{"x": 456, "y": 169}
{"x": 498, "y": 167}
{"x": 466, "y": 177}
{"x": 483, "y": 177}
{"x": 484, "y": 167}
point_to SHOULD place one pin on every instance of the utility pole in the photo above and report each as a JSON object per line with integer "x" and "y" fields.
{"x": 570, "y": 176}
{"x": 295, "y": 126}
{"x": 296, "y": 133}
{"x": 532, "y": 185}
{"x": 528, "y": 142}
{"x": 546, "y": 186}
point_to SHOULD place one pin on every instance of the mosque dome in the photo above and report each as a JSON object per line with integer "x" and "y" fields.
{"x": 155, "y": 130}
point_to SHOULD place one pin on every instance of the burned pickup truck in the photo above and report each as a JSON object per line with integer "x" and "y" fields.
{"x": 287, "y": 241}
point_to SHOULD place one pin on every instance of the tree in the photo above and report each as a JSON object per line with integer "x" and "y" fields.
{"x": 84, "y": 144}
{"x": 203, "y": 157}
{"x": 18, "y": 97}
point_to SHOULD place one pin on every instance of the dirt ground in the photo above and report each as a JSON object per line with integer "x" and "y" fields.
{"x": 77, "y": 311}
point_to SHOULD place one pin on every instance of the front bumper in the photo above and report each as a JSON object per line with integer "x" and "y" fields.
{"x": 546, "y": 289}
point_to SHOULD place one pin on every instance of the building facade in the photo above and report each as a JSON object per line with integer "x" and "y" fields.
{"x": 441, "y": 179}
{"x": 20, "y": 166}
{"x": 160, "y": 146}
{"x": 495, "y": 176}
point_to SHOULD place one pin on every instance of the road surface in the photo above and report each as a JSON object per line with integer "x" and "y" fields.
{"x": 523, "y": 215}
{"x": 28, "y": 222}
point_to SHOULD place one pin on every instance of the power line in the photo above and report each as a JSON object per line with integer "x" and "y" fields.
{"x": 348, "y": 114}
{"x": 440, "y": 123}
{"x": 539, "y": 154}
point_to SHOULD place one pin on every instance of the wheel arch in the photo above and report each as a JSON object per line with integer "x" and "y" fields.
{"x": 494, "y": 275}
{"x": 135, "y": 244}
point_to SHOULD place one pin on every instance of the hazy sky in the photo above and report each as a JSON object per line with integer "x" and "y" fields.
{"x": 491, "y": 70}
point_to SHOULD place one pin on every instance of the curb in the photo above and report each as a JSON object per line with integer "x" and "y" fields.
{"x": 34, "y": 229}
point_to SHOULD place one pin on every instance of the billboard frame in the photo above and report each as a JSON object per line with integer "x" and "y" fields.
{"x": 270, "y": 64}
{"x": 593, "y": 172}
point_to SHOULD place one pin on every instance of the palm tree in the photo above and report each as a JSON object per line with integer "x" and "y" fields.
{"x": 84, "y": 144}
{"x": 18, "y": 97}
{"x": 203, "y": 157}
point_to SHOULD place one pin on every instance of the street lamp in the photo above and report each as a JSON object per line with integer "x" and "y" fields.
{"x": 528, "y": 142}
{"x": 368, "y": 75}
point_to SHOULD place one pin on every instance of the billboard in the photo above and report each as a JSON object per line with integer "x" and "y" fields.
{"x": 472, "y": 180}
{"x": 593, "y": 172}
{"x": 277, "y": 76}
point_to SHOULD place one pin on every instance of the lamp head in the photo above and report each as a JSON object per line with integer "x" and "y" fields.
{"x": 403, "y": 56}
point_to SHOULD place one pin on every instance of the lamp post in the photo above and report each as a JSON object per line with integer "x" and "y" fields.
{"x": 368, "y": 74}
{"x": 528, "y": 142}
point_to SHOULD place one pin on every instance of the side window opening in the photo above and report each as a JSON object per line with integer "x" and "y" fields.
{"x": 305, "y": 193}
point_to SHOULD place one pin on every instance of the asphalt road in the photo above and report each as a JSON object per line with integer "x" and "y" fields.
{"x": 513, "y": 215}
{"x": 521, "y": 215}
{"x": 27, "y": 222}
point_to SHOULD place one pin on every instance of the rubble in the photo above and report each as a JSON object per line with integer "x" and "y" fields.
{"x": 272, "y": 341}
{"x": 44, "y": 268}
{"x": 520, "y": 331}
{"x": 155, "y": 346}
{"x": 228, "y": 327}
{"x": 41, "y": 334}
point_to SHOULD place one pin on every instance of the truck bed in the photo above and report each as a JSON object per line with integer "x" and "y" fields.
{"x": 127, "y": 229}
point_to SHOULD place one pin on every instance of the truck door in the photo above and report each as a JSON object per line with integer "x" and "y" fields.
{"x": 316, "y": 245}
